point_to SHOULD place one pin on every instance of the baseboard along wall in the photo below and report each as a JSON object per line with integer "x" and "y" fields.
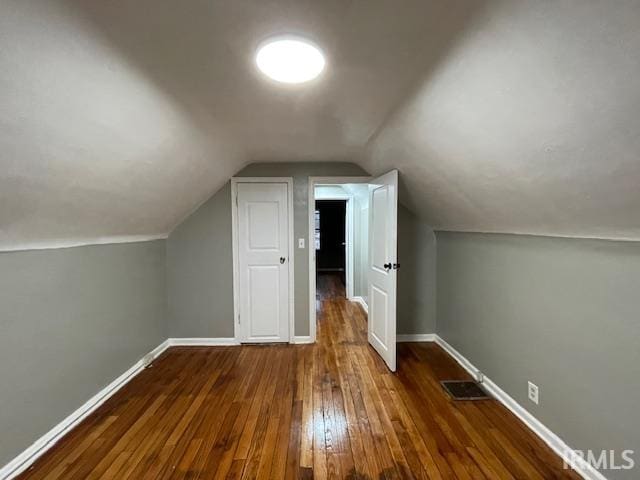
{"x": 48, "y": 440}
{"x": 564, "y": 451}
{"x": 44, "y": 443}
{"x": 202, "y": 342}
{"x": 420, "y": 337}
{"x": 361, "y": 301}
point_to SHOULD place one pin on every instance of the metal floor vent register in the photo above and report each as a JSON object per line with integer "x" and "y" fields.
{"x": 464, "y": 390}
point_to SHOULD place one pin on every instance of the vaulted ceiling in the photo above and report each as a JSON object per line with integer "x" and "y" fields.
{"x": 117, "y": 118}
{"x": 529, "y": 124}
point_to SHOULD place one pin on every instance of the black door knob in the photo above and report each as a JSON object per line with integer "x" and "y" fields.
{"x": 387, "y": 266}
{"x": 282, "y": 259}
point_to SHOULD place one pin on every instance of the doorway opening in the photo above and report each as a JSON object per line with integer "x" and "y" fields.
{"x": 338, "y": 241}
{"x": 331, "y": 242}
{"x": 367, "y": 241}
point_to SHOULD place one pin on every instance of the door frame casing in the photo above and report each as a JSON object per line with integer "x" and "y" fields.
{"x": 314, "y": 182}
{"x": 236, "y": 260}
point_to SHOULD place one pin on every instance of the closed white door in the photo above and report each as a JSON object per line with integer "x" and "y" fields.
{"x": 263, "y": 251}
{"x": 383, "y": 220}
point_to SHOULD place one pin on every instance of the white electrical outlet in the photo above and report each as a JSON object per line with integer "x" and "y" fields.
{"x": 301, "y": 243}
{"x": 534, "y": 393}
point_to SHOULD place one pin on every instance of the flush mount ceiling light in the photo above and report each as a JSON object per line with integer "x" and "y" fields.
{"x": 290, "y": 60}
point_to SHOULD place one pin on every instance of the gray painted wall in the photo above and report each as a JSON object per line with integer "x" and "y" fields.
{"x": 72, "y": 321}
{"x": 199, "y": 255}
{"x": 200, "y": 271}
{"x": 200, "y": 267}
{"x": 301, "y": 173}
{"x": 563, "y": 313}
{"x": 417, "y": 275}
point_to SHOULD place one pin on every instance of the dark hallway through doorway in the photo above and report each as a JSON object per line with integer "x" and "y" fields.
{"x": 330, "y": 237}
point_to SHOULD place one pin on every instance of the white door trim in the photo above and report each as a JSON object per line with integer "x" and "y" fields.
{"x": 313, "y": 182}
{"x": 234, "y": 241}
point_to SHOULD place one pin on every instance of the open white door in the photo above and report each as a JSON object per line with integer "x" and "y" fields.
{"x": 383, "y": 265}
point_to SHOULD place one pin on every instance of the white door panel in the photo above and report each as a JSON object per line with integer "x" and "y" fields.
{"x": 262, "y": 225}
{"x": 383, "y": 219}
{"x": 263, "y": 250}
{"x": 263, "y": 320}
{"x": 377, "y": 316}
{"x": 380, "y": 254}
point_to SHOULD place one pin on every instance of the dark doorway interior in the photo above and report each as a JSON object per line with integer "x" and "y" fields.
{"x": 330, "y": 237}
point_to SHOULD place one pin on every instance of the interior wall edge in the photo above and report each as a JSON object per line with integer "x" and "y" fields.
{"x": 611, "y": 238}
{"x": 206, "y": 198}
{"x": 72, "y": 243}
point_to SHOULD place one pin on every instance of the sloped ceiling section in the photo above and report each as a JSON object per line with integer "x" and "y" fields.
{"x": 90, "y": 147}
{"x": 529, "y": 124}
{"x": 118, "y": 118}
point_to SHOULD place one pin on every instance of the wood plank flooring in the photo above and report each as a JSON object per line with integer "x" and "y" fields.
{"x": 329, "y": 410}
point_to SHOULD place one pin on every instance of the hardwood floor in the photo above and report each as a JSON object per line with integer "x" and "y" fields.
{"x": 329, "y": 410}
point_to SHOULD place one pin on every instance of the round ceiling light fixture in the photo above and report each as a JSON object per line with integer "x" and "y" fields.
{"x": 290, "y": 59}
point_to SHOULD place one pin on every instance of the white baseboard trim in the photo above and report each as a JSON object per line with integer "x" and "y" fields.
{"x": 48, "y": 440}
{"x": 582, "y": 467}
{"x": 203, "y": 342}
{"x": 44, "y": 443}
{"x": 415, "y": 337}
{"x": 457, "y": 356}
{"x": 361, "y": 301}
{"x": 302, "y": 339}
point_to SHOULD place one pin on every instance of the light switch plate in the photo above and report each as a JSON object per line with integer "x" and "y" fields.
{"x": 301, "y": 243}
{"x": 534, "y": 393}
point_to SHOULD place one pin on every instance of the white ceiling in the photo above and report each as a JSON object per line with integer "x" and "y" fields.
{"x": 118, "y": 118}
